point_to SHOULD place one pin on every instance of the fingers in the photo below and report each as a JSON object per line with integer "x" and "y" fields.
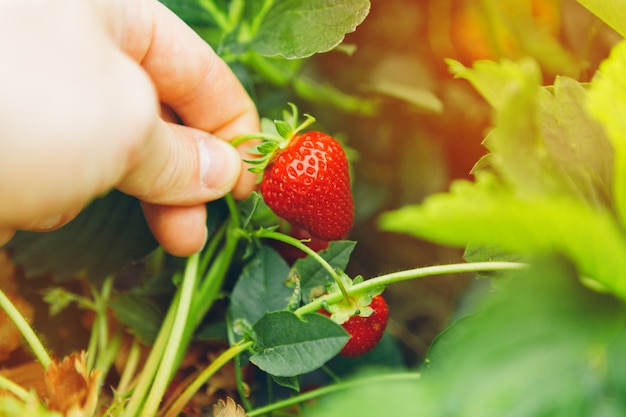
{"x": 181, "y": 231}
{"x": 190, "y": 78}
{"x": 182, "y": 166}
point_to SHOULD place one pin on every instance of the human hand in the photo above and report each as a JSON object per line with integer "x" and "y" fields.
{"x": 83, "y": 87}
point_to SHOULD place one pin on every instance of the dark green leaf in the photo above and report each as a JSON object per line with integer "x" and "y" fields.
{"x": 192, "y": 12}
{"x": 313, "y": 276}
{"x": 103, "y": 238}
{"x": 287, "y": 381}
{"x": 261, "y": 287}
{"x": 289, "y": 346}
{"x": 301, "y": 28}
{"x": 140, "y": 314}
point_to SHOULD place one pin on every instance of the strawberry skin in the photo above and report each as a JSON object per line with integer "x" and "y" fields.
{"x": 308, "y": 184}
{"x": 365, "y": 332}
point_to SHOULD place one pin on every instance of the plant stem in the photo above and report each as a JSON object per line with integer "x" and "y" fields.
{"x": 329, "y": 389}
{"x": 132, "y": 361}
{"x": 13, "y": 388}
{"x": 423, "y": 272}
{"x": 205, "y": 375}
{"x": 152, "y": 363}
{"x": 27, "y": 332}
{"x": 168, "y": 361}
{"x": 298, "y": 244}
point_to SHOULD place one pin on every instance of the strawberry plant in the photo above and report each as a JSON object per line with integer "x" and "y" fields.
{"x": 246, "y": 328}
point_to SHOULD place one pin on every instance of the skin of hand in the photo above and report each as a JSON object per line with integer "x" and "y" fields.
{"x": 102, "y": 94}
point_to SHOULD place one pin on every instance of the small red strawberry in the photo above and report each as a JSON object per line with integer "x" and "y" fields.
{"x": 308, "y": 184}
{"x": 366, "y": 325}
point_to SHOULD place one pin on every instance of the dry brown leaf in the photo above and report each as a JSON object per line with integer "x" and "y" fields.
{"x": 228, "y": 409}
{"x": 71, "y": 389}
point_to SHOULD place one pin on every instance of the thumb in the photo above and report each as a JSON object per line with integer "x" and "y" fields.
{"x": 181, "y": 166}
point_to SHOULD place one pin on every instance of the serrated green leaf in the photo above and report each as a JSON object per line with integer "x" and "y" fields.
{"x": 576, "y": 142}
{"x": 610, "y": 11}
{"x": 103, "y": 238}
{"x": 301, "y": 28}
{"x": 314, "y": 276}
{"x": 288, "y": 345}
{"x": 261, "y": 287}
{"x": 487, "y": 214}
{"x": 497, "y": 81}
{"x": 607, "y": 102}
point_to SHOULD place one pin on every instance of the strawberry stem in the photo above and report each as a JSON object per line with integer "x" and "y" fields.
{"x": 205, "y": 375}
{"x": 422, "y": 272}
{"x": 298, "y": 244}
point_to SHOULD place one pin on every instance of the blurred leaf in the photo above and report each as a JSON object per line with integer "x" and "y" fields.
{"x": 140, "y": 314}
{"x": 565, "y": 150}
{"x": 542, "y": 346}
{"x": 301, "y": 28}
{"x": 261, "y": 287}
{"x": 538, "y": 347}
{"x": 581, "y": 151}
{"x": 607, "y": 102}
{"x": 610, "y": 11}
{"x": 421, "y": 98}
{"x": 192, "y": 11}
{"x": 103, "y": 238}
{"x": 486, "y": 214}
{"x": 314, "y": 276}
{"x": 289, "y": 346}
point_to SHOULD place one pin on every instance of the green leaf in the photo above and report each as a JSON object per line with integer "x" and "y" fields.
{"x": 566, "y": 151}
{"x": 314, "y": 276}
{"x": 140, "y": 314}
{"x": 610, "y": 11}
{"x": 498, "y": 81}
{"x": 555, "y": 337}
{"x": 261, "y": 287}
{"x": 288, "y": 345}
{"x": 543, "y": 345}
{"x": 486, "y": 214}
{"x": 103, "y": 238}
{"x": 301, "y": 28}
{"x": 193, "y": 13}
{"x": 607, "y": 102}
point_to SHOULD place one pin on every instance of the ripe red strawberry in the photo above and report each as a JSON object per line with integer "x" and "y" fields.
{"x": 366, "y": 328}
{"x": 308, "y": 184}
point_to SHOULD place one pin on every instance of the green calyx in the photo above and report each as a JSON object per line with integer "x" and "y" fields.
{"x": 352, "y": 305}
{"x": 275, "y": 135}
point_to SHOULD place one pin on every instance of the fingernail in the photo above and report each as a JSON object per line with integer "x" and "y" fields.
{"x": 220, "y": 164}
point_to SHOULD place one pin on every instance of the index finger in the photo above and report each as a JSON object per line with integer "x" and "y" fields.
{"x": 190, "y": 78}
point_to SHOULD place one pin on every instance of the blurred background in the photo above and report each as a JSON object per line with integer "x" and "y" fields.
{"x": 428, "y": 127}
